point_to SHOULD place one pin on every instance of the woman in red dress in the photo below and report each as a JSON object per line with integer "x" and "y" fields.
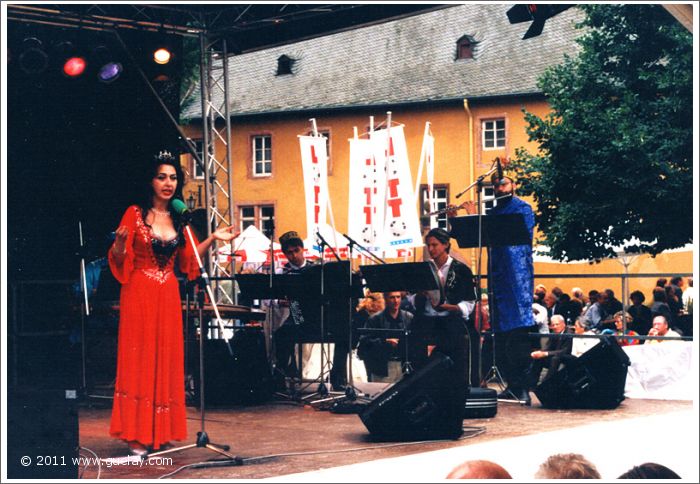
{"x": 149, "y": 394}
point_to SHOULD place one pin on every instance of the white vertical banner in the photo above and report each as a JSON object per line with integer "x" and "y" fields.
{"x": 401, "y": 223}
{"x": 314, "y": 163}
{"x": 366, "y": 194}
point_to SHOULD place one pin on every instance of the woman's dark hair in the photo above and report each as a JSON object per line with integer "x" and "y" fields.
{"x": 441, "y": 235}
{"x": 661, "y": 282}
{"x": 638, "y": 295}
{"x": 650, "y": 470}
{"x": 146, "y": 201}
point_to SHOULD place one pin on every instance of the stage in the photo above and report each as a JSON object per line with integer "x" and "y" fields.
{"x": 282, "y": 440}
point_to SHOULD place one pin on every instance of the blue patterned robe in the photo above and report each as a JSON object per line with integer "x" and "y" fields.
{"x": 513, "y": 274}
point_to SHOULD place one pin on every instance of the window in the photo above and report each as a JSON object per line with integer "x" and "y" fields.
{"x": 261, "y": 216}
{"x": 262, "y": 155}
{"x": 465, "y": 48}
{"x": 493, "y": 132}
{"x": 197, "y": 170}
{"x": 441, "y": 195}
{"x": 284, "y": 65}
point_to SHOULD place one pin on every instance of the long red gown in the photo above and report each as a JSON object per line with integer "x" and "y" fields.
{"x": 149, "y": 393}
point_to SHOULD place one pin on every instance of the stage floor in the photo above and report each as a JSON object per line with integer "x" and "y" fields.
{"x": 281, "y": 438}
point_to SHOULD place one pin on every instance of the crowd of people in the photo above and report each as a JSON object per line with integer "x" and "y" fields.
{"x": 559, "y": 466}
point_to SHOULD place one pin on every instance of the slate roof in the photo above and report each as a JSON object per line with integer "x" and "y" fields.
{"x": 409, "y": 60}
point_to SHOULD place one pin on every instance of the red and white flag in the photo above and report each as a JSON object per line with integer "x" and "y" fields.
{"x": 314, "y": 163}
{"x": 401, "y": 223}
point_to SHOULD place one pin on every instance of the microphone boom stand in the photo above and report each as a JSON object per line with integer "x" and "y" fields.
{"x": 202, "y": 437}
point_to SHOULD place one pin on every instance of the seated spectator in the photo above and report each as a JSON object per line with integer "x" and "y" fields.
{"x": 378, "y": 350}
{"x": 556, "y": 351}
{"x": 613, "y": 304}
{"x": 687, "y": 298}
{"x": 567, "y": 466}
{"x": 540, "y": 293}
{"x": 577, "y": 293}
{"x": 478, "y": 469}
{"x": 580, "y": 345}
{"x": 641, "y": 314}
{"x": 650, "y": 470}
{"x": 675, "y": 304}
{"x": 592, "y": 299}
{"x": 660, "y": 307}
{"x": 571, "y": 309}
{"x": 620, "y": 330}
{"x": 660, "y": 328}
{"x": 661, "y": 282}
{"x": 596, "y": 314}
{"x": 551, "y": 302}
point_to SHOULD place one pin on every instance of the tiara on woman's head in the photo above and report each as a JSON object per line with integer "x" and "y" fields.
{"x": 165, "y": 155}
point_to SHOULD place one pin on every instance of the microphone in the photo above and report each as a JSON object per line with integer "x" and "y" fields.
{"x": 350, "y": 239}
{"x": 179, "y": 206}
{"x": 321, "y": 239}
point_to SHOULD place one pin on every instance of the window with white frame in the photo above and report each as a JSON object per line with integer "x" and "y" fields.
{"x": 441, "y": 195}
{"x": 493, "y": 133}
{"x": 261, "y": 216}
{"x": 262, "y": 155}
{"x": 197, "y": 169}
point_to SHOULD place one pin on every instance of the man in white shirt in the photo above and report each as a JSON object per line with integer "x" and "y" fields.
{"x": 660, "y": 328}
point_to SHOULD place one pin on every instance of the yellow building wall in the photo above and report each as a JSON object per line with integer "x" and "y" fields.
{"x": 459, "y": 159}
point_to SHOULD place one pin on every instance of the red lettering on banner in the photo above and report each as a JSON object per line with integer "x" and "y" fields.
{"x": 317, "y": 209}
{"x": 368, "y": 215}
{"x": 368, "y": 193}
{"x": 391, "y": 147}
{"x": 393, "y": 187}
{"x": 368, "y": 161}
{"x": 395, "y": 205}
{"x": 317, "y": 190}
{"x": 314, "y": 159}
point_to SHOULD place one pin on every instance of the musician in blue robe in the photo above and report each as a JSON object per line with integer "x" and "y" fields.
{"x": 512, "y": 278}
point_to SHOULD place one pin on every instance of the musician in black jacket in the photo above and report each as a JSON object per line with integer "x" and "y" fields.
{"x": 449, "y": 323}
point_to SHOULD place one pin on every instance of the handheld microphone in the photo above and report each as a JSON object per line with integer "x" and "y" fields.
{"x": 179, "y": 206}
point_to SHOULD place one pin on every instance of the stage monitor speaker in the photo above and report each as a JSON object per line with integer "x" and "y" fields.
{"x": 424, "y": 405}
{"x": 243, "y": 378}
{"x": 42, "y": 433}
{"x": 594, "y": 380}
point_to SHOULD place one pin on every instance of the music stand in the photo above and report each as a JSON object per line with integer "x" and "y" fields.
{"x": 490, "y": 231}
{"x": 411, "y": 277}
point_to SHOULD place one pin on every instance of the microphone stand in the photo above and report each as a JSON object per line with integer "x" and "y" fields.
{"x": 86, "y": 312}
{"x": 202, "y": 437}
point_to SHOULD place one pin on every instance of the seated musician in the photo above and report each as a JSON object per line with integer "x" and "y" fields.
{"x": 378, "y": 350}
{"x": 296, "y": 324}
{"x": 448, "y": 323}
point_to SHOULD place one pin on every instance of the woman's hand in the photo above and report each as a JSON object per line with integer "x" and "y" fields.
{"x": 225, "y": 234}
{"x": 120, "y": 236}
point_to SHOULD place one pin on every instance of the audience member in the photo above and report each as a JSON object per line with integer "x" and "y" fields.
{"x": 621, "y": 330}
{"x": 613, "y": 304}
{"x": 580, "y": 345}
{"x": 677, "y": 287}
{"x": 675, "y": 304}
{"x": 540, "y": 293}
{"x": 577, "y": 293}
{"x": 687, "y": 298}
{"x": 596, "y": 314}
{"x": 479, "y": 469}
{"x": 570, "y": 308}
{"x": 567, "y": 466}
{"x": 641, "y": 314}
{"x": 660, "y": 307}
{"x": 660, "y": 328}
{"x": 551, "y": 302}
{"x": 650, "y": 470}
{"x": 592, "y": 299}
{"x": 661, "y": 282}
{"x": 554, "y": 353}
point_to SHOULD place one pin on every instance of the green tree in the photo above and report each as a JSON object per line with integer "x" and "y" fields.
{"x": 615, "y": 153}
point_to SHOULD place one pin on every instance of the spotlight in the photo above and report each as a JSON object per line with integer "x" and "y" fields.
{"x": 162, "y": 56}
{"x": 74, "y": 66}
{"x": 108, "y": 69}
{"x": 33, "y": 59}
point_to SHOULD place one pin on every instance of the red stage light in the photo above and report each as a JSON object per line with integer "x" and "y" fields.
{"x": 74, "y": 66}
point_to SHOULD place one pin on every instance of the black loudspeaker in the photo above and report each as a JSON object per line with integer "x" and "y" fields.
{"x": 594, "y": 380}
{"x": 423, "y": 405}
{"x": 243, "y": 378}
{"x": 42, "y": 434}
